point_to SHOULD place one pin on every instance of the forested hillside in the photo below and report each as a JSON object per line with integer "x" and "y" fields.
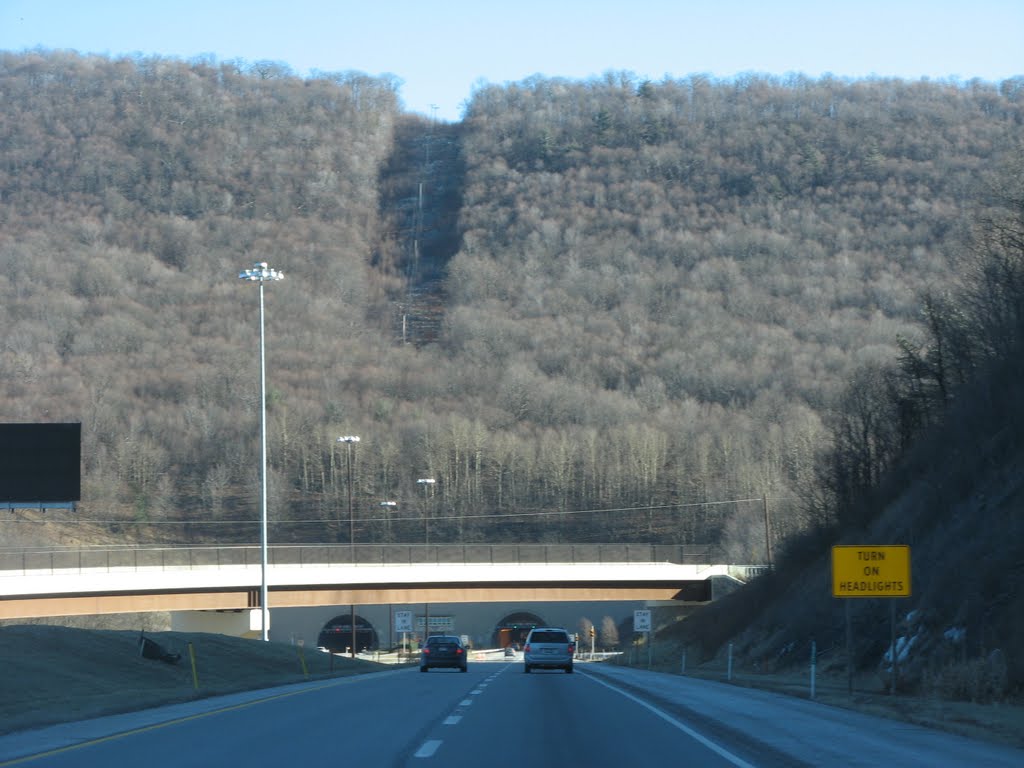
{"x": 925, "y": 451}
{"x": 723, "y": 258}
{"x": 654, "y": 293}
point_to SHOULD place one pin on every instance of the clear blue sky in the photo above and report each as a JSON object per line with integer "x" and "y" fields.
{"x": 440, "y": 49}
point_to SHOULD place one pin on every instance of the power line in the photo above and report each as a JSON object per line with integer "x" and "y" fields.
{"x": 419, "y": 518}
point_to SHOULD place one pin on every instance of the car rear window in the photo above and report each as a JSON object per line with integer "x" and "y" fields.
{"x": 547, "y": 636}
{"x": 442, "y": 641}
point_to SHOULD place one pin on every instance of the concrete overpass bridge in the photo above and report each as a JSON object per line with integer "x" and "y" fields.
{"x": 217, "y": 588}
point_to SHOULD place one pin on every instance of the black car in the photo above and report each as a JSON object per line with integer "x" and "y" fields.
{"x": 443, "y": 651}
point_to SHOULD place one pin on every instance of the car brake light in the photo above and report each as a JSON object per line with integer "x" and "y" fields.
{"x": 526, "y": 648}
{"x": 426, "y": 650}
{"x": 458, "y": 651}
{"x": 572, "y": 648}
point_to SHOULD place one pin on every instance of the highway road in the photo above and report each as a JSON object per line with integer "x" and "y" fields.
{"x": 494, "y": 715}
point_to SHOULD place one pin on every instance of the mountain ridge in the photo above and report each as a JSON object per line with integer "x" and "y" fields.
{"x": 646, "y": 296}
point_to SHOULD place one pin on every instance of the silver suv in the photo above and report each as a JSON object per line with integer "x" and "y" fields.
{"x": 548, "y": 648}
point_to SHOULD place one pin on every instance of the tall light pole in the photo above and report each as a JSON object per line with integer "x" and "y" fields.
{"x": 349, "y": 440}
{"x": 261, "y": 273}
{"x": 426, "y": 482}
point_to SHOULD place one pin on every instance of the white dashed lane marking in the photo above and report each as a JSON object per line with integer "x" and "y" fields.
{"x": 429, "y": 748}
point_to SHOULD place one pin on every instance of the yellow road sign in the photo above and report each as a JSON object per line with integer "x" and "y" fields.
{"x": 865, "y": 570}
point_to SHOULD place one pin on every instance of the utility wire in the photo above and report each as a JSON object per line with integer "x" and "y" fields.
{"x": 419, "y": 518}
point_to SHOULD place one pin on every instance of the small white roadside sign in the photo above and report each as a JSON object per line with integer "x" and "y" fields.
{"x": 641, "y": 621}
{"x": 403, "y": 621}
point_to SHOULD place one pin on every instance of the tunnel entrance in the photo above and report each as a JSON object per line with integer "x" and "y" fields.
{"x": 513, "y": 629}
{"x": 336, "y": 636}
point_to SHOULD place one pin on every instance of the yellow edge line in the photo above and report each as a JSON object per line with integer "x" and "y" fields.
{"x": 175, "y": 721}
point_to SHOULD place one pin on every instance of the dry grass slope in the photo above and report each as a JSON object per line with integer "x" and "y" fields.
{"x": 62, "y": 674}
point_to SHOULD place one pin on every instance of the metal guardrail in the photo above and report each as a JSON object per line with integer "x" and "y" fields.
{"x": 748, "y": 572}
{"x": 22, "y": 560}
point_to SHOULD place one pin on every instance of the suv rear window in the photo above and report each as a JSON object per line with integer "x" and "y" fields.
{"x": 549, "y": 636}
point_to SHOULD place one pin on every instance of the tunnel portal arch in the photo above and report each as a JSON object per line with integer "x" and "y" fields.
{"x": 513, "y": 628}
{"x": 336, "y": 635}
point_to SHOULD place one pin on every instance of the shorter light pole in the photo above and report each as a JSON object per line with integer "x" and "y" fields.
{"x": 426, "y": 482}
{"x": 349, "y": 440}
{"x": 388, "y": 507}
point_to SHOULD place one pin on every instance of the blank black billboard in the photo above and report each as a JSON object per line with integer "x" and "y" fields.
{"x": 40, "y": 462}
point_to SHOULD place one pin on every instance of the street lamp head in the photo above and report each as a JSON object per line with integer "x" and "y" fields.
{"x": 261, "y": 273}
{"x": 389, "y": 503}
{"x": 427, "y": 480}
{"x": 348, "y": 439}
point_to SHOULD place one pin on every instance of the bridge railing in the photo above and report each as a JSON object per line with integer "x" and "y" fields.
{"x": 748, "y": 572}
{"x": 22, "y": 560}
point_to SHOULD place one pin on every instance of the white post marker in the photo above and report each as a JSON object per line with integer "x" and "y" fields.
{"x": 814, "y": 659}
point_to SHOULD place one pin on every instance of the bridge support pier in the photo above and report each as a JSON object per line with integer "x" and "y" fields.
{"x": 235, "y": 623}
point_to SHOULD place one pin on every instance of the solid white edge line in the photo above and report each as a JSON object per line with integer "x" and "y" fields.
{"x": 428, "y": 748}
{"x": 720, "y": 751}
{"x": 452, "y": 719}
